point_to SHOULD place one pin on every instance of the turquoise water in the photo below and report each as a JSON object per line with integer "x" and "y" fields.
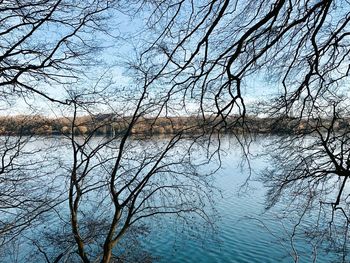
{"x": 241, "y": 230}
{"x": 245, "y": 232}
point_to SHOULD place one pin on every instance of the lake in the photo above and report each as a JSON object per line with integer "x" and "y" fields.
{"x": 246, "y": 232}
{"x": 241, "y": 231}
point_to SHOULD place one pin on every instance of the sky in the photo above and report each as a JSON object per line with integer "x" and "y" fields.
{"x": 124, "y": 36}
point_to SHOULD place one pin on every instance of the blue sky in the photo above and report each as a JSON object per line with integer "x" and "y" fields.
{"x": 125, "y": 35}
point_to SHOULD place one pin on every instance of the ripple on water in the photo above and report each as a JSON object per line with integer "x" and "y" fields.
{"x": 241, "y": 235}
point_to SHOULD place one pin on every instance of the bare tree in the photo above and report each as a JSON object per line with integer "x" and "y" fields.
{"x": 45, "y": 44}
{"x": 116, "y": 182}
{"x": 216, "y": 54}
{"x": 203, "y": 54}
{"x": 211, "y": 49}
{"x": 310, "y": 178}
{"x": 28, "y": 188}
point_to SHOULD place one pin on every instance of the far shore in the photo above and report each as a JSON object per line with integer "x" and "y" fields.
{"x": 107, "y": 124}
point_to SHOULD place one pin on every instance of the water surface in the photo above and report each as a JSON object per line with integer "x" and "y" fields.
{"x": 245, "y": 233}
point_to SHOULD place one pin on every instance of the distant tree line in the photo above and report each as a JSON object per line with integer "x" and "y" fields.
{"x": 105, "y": 124}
